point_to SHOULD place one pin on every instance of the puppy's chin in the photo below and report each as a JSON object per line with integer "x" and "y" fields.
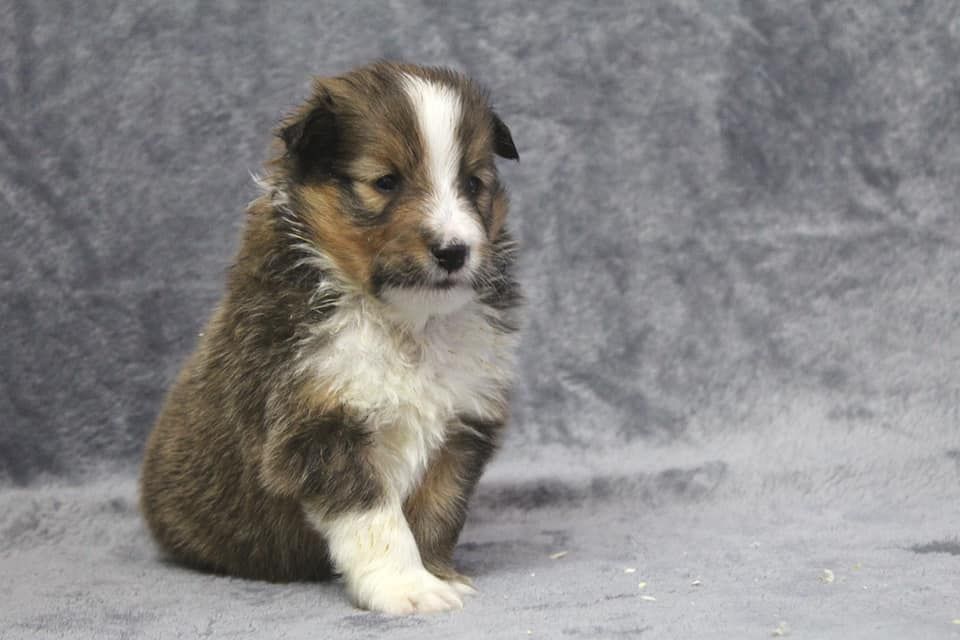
{"x": 414, "y": 306}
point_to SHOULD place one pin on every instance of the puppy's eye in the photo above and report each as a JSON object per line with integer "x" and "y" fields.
{"x": 388, "y": 183}
{"x": 474, "y": 185}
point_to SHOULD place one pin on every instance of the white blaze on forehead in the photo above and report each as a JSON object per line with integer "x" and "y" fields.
{"x": 438, "y": 110}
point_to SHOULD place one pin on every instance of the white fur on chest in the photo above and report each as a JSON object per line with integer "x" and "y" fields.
{"x": 411, "y": 384}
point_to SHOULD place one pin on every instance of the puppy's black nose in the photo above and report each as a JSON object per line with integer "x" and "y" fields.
{"x": 451, "y": 257}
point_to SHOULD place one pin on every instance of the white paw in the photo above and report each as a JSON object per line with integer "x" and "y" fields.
{"x": 413, "y": 591}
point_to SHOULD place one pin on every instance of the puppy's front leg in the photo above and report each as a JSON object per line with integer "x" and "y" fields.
{"x": 375, "y": 551}
{"x": 321, "y": 459}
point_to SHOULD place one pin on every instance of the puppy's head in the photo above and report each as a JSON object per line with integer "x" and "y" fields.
{"x": 390, "y": 169}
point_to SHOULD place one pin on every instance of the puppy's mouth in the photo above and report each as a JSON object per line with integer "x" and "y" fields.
{"x": 413, "y": 277}
{"x": 448, "y": 283}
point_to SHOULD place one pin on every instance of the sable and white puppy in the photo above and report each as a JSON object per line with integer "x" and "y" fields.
{"x": 353, "y": 382}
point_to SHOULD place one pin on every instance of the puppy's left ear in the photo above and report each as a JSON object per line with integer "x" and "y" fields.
{"x": 502, "y": 140}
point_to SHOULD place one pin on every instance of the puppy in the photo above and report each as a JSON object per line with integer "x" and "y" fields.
{"x": 352, "y": 384}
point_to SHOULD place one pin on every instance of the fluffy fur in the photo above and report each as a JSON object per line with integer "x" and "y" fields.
{"x": 353, "y": 382}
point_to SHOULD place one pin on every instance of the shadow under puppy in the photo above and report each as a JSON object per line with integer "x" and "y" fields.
{"x": 352, "y": 384}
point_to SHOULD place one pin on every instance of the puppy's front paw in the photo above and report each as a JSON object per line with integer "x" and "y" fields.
{"x": 414, "y": 591}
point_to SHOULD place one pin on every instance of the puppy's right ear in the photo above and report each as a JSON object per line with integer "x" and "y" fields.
{"x": 310, "y": 137}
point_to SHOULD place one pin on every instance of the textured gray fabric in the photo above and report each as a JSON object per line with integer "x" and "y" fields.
{"x": 740, "y": 226}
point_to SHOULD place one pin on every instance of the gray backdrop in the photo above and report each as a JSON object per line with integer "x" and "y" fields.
{"x": 739, "y": 226}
